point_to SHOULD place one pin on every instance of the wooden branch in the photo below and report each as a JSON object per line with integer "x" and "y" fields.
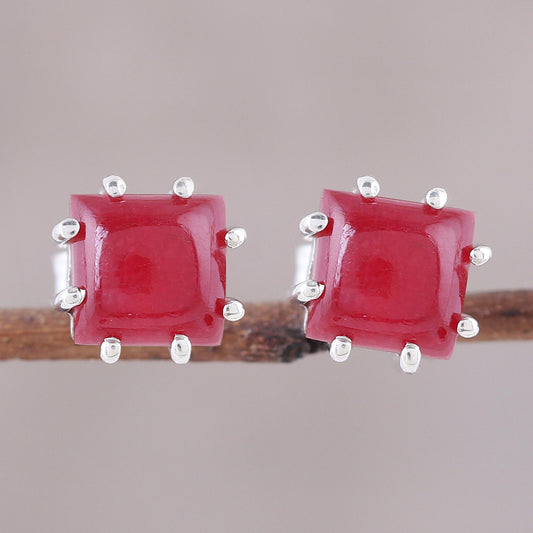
{"x": 268, "y": 332}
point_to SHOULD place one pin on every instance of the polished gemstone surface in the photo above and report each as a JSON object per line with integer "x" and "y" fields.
{"x": 394, "y": 272}
{"x": 153, "y": 267}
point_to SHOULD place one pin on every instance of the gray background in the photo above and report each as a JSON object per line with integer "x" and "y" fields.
{"x": 267, "y": 103}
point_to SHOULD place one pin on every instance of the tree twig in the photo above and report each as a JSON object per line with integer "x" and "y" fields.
{"x": 269, "y": 331}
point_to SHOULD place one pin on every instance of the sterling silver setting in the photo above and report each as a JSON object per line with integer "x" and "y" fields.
{"x": 110, "y": 350}
{"x": 65, "y": 230}
{"x": 436, "y": 198}
{"x": 410, "y": 358}
{"x": 480, "y": 255}
{"x": 468, "y": 327}
{"x": 183, "y": 187}
{"x": 340, "y": 349}
{"x": 114, "y": 186}
{"x": 180, "y": 349}
{"x": 314, "y": 223}
{"x": 235, "y": 237}
{"x": 233, "y": 310}
{"x": 367, "y": 186}
{"x": 69, "y": 297}
{"x": 307, "y": 289}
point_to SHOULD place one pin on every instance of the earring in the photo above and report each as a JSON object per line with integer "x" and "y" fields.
{"x": 389, "y": 274}
{"x": 147, "y": 270}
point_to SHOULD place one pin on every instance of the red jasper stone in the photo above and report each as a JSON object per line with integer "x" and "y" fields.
{"x": 153, "y": 267}
{"x": 394, "y": 272}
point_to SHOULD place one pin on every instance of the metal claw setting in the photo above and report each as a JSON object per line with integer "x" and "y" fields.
{"x": 65, "y": 230}
{"x": 389, "y": 222}
{"x": 110, "y": 350}
{"x": 235, "y": 237}
{"x": 468, "y": 327}
{"x": 340, "y": 349}
{"x": 180, "y": 349}
{"x": 308, "y": 290}
{"x": 480, "y": 255}
{"x": 233, "y": 310}
{"x": 114, "y": 186}
{"x": 313, "y": 224}
{"x": 410, "y": 358}
{"x": 436, "y": 198}
{"x": 70, "y": 298}
{"x": 368, "y": 186}
{"x": 183, "y": 187}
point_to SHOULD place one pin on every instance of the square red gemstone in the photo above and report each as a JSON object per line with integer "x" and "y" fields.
{"x": 153, "y": 267}
{"x": 394, "y": 272}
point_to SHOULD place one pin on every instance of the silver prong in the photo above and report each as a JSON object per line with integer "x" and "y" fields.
{"x": 180, "y": 350}
{"x": 233, "y": 310}
{"x": 437, "y": 198}
{"x": 480, "y": 255}
{"x": 468, "y": 327}
{"x": 367, "y": 186}
{"x": 110, "y": 350}
{"x": 308, "y": 290}
{"x": 313, "y": 223}
{"x": 183, "y": 187}
{"x": 65, "y": 230}
{"x": 235, "y": 237}
{"x": 114, "y": 186}
{"x": 70, "y": 298}
{"x": 340, "y": 349}
{"x": 410, "y": 358}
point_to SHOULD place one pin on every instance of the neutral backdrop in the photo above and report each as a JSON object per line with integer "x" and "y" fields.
{"x": 267, "y": 103}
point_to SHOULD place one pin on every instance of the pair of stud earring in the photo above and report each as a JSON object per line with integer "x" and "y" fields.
{"x": 150, "y": 270}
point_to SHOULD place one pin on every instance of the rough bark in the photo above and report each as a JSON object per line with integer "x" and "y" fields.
{"x": 269, "y": 331}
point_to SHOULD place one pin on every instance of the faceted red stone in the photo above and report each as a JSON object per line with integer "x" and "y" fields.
{"x": 394, "y": 272}
{"x": 153, "y": 267}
